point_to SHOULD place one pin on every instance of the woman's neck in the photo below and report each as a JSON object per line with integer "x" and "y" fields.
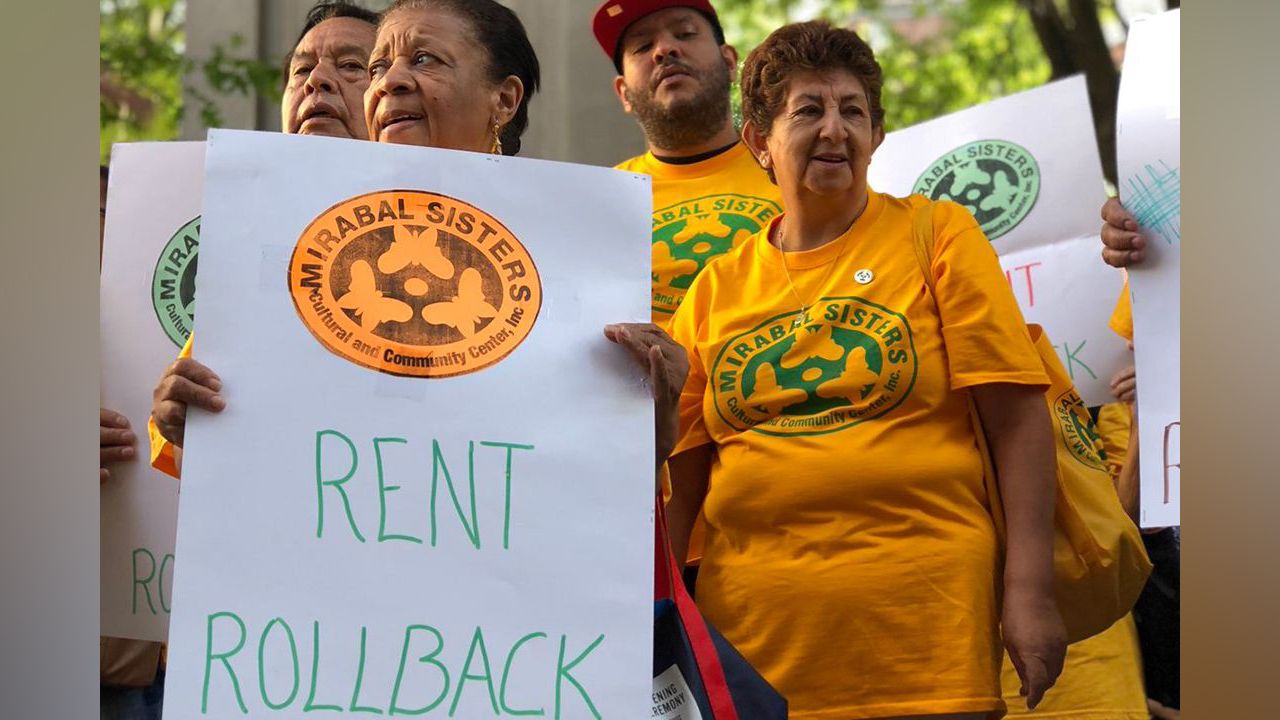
{"x": 814, "y": 220}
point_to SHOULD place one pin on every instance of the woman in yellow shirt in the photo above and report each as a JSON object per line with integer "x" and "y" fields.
{"x": 850, "y": 552}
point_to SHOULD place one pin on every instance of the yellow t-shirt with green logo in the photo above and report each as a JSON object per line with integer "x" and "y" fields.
{"x": 701, "y": 211}
{"x": 850, "y": 553}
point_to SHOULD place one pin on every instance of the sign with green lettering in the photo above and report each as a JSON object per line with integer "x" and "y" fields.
{"x": 431, "y": 490}
{"x": 147, "y": 295}
{"x": 1033, "y": 191}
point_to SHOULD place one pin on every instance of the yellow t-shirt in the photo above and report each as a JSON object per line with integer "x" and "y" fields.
{"x": 1113, "y": 428}
{"x": 701, "y": 211}
{"x": 850, "y": 553}
{"x": 1101, "y": 680}
{"x": 1122, "y": 317}
{"x": 162, "y": 457}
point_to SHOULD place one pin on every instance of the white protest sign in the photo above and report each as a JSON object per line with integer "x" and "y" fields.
{"x": 148, "y": 272}
{"x": 431, "y": 490}
{"x": 1148, "y": 157}
{"x": 1027, "y": 167}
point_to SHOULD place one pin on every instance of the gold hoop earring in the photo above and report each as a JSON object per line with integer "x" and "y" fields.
{"x": 496, "y": 149}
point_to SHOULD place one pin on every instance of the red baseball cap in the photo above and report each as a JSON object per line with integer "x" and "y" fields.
{"x": 614, "y": 17}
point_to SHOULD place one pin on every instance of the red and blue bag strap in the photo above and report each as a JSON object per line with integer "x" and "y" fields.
{"x": 669, "y": 585}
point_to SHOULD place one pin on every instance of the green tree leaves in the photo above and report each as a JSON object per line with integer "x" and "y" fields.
{"x": 142, "y": 67}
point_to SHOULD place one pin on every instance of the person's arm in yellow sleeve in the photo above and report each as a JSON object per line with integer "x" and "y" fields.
{"x": 990, "y": 352}
{"x": 185, "y": 382}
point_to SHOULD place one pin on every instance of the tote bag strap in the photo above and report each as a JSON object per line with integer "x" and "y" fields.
{"x": 669, "y": 585}
{"x": 922, "y": 244}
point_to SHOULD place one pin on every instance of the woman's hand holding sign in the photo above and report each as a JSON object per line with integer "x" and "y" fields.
{"x": 185, "y": 382}
{"x": 668, "y": 366}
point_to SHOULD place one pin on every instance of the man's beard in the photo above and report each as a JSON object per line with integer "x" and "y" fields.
{"x": 687, "y": 122}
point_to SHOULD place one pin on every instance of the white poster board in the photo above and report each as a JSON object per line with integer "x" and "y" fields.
{"x": 1027, "y": 167}
{"x": 1148, "y": 157}
{"x": 149, "y": 254}
{"x": 471, "y": 544}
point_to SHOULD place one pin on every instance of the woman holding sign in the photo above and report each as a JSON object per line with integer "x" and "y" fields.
{"x": 454, "y": 74}
{"x": 826, "y": 432}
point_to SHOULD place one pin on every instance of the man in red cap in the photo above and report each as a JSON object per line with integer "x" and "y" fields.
{"x": 674, "y": 72}
{"x": 709, "y": 194}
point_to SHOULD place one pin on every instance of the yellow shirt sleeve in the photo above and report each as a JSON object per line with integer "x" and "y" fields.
{"x": 162, "y": 456}
{"x": 1122, "y": 317}
{"x": 985, "y": 335}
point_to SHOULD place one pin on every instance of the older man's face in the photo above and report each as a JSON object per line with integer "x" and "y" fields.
{"x": 328, "y": 74}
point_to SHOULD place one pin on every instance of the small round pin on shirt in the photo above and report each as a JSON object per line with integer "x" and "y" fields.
{"x": 864, "y": 276}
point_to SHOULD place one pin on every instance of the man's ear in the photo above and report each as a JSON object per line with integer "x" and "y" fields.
{"x": 756, "y": 142}
{"x": 507, "y": 99}
{"x": 730, "y": 56}
{"x": 620, "y": 89}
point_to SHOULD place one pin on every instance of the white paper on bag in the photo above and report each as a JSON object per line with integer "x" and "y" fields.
{"x": 1027, "y": 167}
{"x": 1148, "y": 157}
{"x": 150, "y": 246}
{"x": 475, "y": 544}
{"x": 672, "y": 698}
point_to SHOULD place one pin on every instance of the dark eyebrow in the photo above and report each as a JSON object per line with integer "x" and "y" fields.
{"x": 416, "y": 38}
{"x": 351, "y": 49}
{"x": 809, "y": 97}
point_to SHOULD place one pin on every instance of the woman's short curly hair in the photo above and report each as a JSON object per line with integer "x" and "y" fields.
{"x": 815, "y": 45}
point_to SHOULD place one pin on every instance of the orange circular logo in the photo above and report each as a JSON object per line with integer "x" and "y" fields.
{"x": 414, "y": 283}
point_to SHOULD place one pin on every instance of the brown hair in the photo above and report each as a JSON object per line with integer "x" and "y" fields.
{"x": 815, "y": 45}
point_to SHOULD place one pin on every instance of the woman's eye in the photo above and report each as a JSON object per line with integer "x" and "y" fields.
{"x": 377, "y": 69}
{"x": 353, "y": 66}
{"x": 302, "y": 70}
{"x": 423, "y": 58}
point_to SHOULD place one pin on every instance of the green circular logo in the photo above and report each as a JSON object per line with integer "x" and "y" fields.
{"x": 850, "y": 361}
{"x": 996, "y": 180}
{"x": 1079, "y": 431}
{"x": 173, "y": 285}
{"x": 689, "y": 234}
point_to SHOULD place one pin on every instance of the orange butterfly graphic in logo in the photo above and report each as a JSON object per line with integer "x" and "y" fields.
{"x": 371, "y": 307}
{"x": 465, "y": 311}
{"x": 415, "y": 248}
